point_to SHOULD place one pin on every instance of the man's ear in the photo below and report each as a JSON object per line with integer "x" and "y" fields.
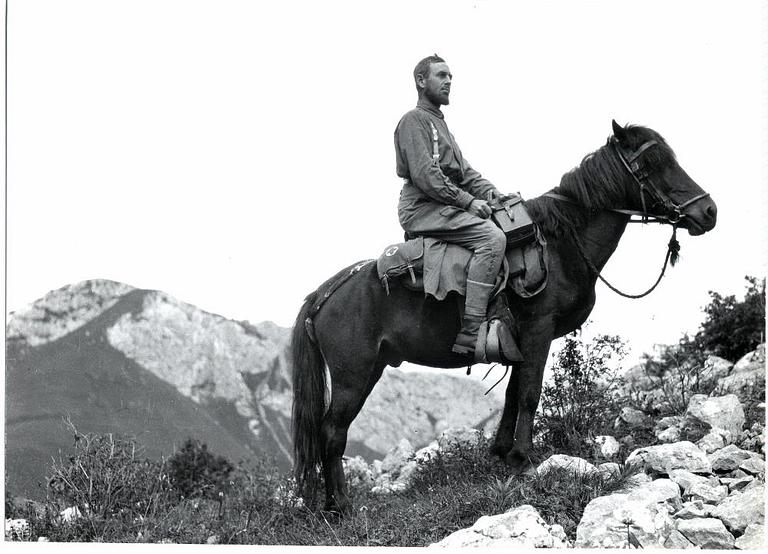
{"x": 619, "y": 132}
{"x": 420, "y": 80}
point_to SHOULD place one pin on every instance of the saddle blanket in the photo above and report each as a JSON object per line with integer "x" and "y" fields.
{"x": 438, "y": 267}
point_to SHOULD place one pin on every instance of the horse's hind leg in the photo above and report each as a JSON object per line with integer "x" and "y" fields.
{"x": 352, "y": 382}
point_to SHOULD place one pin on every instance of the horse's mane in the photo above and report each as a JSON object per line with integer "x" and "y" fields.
{"x": 599, "y": 182}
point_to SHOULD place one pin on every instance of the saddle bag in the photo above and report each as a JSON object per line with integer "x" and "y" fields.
{"x": 510, "y": 216}
{"x": 400, "y": 259}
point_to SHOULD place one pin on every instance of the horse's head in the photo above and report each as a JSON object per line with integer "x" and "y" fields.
{"x": 660, "y": 187}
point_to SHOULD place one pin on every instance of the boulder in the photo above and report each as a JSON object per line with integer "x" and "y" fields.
{"x": 609, "y": 470}
{"x": 678, "y": 541}
{"x": 664, "y": 458}
{"x": 715, "y": 368}
{"x": 753, "y": 466}
{"x": 753, "y": 537}
{"x": 747, "y": 379}
{"x": 658, "y": 490}
{"x": 521, "y": 527}
{"x": 707, "y": 493}
{"x": 427, "y": 453}
{"x": 632, "y": 417}
{"x": 751, "y": 361}
{"x": 742, "y": 508}
{"x": 606, "y": 520}
{"x": 711, "y": 441}
{"x": 607, "y": 446}
{"x": 706, "y": 532}
{"x": 728, "y": 458}
{"x": 736, "y": 483}
{"x": 692, "y": 509}
{"x": 571, "y": 463}
{"x": 397, "y": 457}
{"x": 723, "y": 413}
{"x": 670, "y": 434}
{"x": 459, "y": 437}
{"x": 686, "y": 479}
{"x": 357, "y": 471}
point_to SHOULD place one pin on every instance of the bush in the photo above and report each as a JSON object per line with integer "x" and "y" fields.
{"x": 733, "y": 328}
{"x": 195, "y": 472}
{"x": 580, "y": 401}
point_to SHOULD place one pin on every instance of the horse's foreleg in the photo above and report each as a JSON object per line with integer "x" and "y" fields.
{"x": 505, "y": 435}
{"x": 525, "y": 393}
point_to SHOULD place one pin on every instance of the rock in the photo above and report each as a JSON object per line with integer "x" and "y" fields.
{"x": 711, "y": 442}
{"x": 607, "y": 446}
{"x": 635, "y": 481}
{"x": 670, "y": 434}
{"x": 357, "y": 471}
{"x": 659, "y": 490}
{"x": 570, "y": 463}
{"x": 707, "y": 493}
{"x": 668, "y": 421}
{"x": 459, "y": 437}
{"x": 427, "y": 453}
{"x": 747, "y": 379}
{"x": 521, "y": 527}
{"x": 632, "y": 417}
{"x": 742, "y": 508}
{"x": 609, "y": 470}
{"x": 752, "y": 539}
{"x": 627, "y": 441}
{"x": 606, "y": 518}
{"x": 685, "y": 478}
{"x": 751, "y": 361}
{"x": 728, "y": 458}
{"x": 397, "y": 456}
{"x": 716, "y": 368}
{"x": 736, "y": 483}
{"x": 663, "y": 458}
{"x": 706, "y": 532}
{"x": 720, "y": 412}
{"x": 754, "y": 466}
{"x": 677, "y": 541}
{"x": 692, "y": 509}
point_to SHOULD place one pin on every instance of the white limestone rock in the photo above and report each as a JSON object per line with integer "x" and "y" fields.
{"x": 753, "y": 538}
{"x": 723, "y": 413}
{"x": 521, "y": 527}
{"x": 706, "y": 532}
{"x": 664, "y": 458}
{"x": 571, "y": 463}
{"x": 742, "y": 508}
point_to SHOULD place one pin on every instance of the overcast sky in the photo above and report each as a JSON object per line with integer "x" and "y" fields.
{"x": 236, "y": 154}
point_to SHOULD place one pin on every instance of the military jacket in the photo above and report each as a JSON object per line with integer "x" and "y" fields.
{"x": 449, "y": 179}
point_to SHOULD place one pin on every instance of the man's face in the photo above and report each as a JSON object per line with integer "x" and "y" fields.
{"x": 437, "y": 84}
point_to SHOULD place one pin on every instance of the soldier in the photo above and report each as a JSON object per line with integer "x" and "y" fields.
{"x": 443, "y": 197}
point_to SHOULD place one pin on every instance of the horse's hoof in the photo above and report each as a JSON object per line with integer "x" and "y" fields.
{"x": 519, "y": 463}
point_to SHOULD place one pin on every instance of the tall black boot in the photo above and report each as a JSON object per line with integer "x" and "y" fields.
{"x": 476, "y": 306}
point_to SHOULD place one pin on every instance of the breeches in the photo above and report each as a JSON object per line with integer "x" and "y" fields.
{"x": 457, "y": 226}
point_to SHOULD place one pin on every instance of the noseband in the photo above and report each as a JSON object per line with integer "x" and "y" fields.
{"x": 642, "y": 176}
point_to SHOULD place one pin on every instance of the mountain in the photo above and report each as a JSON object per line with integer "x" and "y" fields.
{"x": 114, "y": 359}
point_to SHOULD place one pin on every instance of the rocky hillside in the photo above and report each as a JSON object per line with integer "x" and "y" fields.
{"x": 112, "y": 358}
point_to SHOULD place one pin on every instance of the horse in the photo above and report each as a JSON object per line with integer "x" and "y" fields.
{"x": 352, "y": 329}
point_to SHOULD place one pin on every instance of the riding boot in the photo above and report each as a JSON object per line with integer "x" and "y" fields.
{"x": 476, "y": 306}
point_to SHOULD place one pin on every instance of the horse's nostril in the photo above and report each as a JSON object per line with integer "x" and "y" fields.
{"x": 711, "y": 211}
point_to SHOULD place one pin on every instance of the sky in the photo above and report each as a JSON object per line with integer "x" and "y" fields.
{"x": 236, "y": 154}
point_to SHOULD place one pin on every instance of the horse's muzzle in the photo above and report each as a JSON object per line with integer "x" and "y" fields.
{"x": 700, "y": 217}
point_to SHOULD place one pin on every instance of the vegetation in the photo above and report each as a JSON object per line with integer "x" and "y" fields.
{"x": 123, "y": 498}
{"x": 580, "y": 401}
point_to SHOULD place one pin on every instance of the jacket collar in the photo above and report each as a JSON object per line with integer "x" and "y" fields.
{"x": 427, "y": 107}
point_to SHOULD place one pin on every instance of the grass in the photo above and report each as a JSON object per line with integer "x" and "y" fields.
{"x": 449, "y": 493}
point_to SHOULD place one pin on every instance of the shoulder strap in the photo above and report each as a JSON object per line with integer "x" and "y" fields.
{"x": 435, "y": 150}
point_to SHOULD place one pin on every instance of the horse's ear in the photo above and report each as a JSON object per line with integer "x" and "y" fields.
{"x": 619, "y": 132}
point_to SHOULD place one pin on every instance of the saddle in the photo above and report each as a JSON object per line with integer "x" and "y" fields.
{"x": 437, "y": 268}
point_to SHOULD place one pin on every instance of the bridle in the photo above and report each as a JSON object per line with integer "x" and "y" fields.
{"x": 672, "y": 211}
{"x": 642, "y": 177}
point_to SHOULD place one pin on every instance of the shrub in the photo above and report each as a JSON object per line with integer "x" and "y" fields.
{"x": 580, "y": 400}
{"x": 733, "y": 328}
{"x": 194, "y": 471}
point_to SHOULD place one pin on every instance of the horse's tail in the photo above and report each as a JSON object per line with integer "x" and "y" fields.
{"x": 308, "y": 401}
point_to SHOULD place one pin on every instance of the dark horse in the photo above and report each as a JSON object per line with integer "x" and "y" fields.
{"x": 356, "y": 330}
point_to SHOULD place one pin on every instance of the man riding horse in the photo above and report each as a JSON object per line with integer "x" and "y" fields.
{"x": 443, "y": 197}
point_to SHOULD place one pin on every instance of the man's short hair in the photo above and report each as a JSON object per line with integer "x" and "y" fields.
{"x": 422, "y": 68}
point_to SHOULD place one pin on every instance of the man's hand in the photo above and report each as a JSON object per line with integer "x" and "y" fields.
{"x": 479, "y": 208}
